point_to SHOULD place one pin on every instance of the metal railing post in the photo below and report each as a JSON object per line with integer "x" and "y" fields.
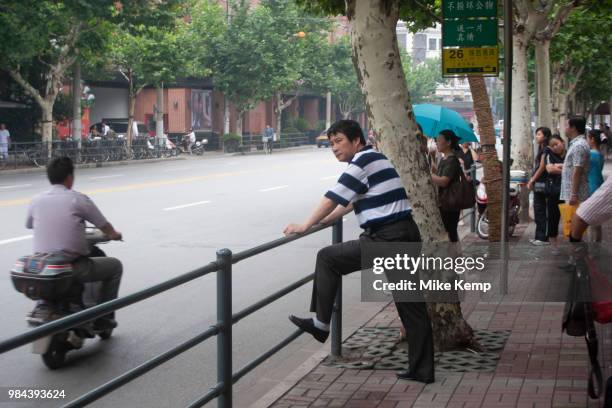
{"x": 336, "y": 322}
{"x": 473, "y": 215}
{"x": 224, "y": 318}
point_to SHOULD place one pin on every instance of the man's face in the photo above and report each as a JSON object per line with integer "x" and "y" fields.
{"x": 343, "y": 148}
{"x": 569, "y": 130}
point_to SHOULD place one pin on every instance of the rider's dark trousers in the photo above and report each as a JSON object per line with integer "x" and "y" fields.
{"x": 104, "y": 269}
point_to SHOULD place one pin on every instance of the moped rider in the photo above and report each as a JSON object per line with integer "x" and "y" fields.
{"x": 58, "y": 217}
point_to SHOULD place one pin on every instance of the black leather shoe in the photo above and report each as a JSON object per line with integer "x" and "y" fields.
{"x": 308, "y": 326}
{"x": 407, "y": 375}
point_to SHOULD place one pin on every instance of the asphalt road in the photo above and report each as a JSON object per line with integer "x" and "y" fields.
{"x": 174, "y": 216}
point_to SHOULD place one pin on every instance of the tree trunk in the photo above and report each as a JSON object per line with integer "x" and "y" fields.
{"x": 557, "y": 80}
{"x": 46, "y": 103}
{"x": 490, "y": 161}
{"x": 562, "y": 114}
{"x": 76, "y": 104}
{"x": 522, "y": 140}
{"x": 278, "y": 110}
{"x": 131, "y": 109}
{"x": 159, "y": 115}
{"x": 47, "y": 125}
{"x": 328, "y": 105}
{"x": 377, "y": 60}
{"x": 542, "y": 59}
{"x": 240, "y": 115}
{"x": 226, "y": 116}
{"x": 522, "y": 149}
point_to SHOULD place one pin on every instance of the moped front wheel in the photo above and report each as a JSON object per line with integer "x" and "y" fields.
{"x": 482, "y": 226}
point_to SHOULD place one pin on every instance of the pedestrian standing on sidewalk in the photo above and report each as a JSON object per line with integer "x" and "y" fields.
{"x": 468, "y": 156}
{"x": 595, "y": 176}
{"x": 445, "y": 174}
{"x": 371, "y": 186}
{"x": 5, "y": 141}
{"x": 553, "y": 158}
{"x": 538, "y": 184}
{"x": 574, "y": 181}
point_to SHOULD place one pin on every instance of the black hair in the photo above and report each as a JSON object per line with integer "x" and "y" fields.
{"x": 546, "y": 132}
{"x": 59, "y": 169}
{"x": 451, "y": 137}
{"x": 350, "y": 128}
{"x": 557, "y": 137}
{"x": 595, "y": 135}
{"x": 578, "y": 123}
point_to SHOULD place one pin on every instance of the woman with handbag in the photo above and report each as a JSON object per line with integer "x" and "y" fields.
{"x": 447, "y": 172}
{"x": 553, "y": 159}
{"x": 537, "y": 183}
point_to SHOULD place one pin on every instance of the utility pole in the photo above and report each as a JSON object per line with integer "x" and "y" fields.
{"x": 226, "y": 114}
{"x": 508, "y": 60}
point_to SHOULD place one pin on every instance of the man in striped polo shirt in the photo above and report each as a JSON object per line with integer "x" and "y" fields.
{"x": 372, "y": 188}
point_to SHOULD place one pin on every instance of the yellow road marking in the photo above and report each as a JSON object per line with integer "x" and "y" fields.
{"x": 139, "y": 186}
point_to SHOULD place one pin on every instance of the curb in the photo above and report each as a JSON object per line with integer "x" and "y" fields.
{"x": 30, "y": 170}
{"x": 293, "y": 378}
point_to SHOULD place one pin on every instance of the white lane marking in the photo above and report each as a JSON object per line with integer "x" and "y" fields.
{"x": 179, "y": 169}
{"x": 272, "y": 189}
{"x": 178, "y": 207}
{"x": 106, "y": 177}
{"x": 8, "y": 241}
{"x": 329, "y": 177}
{"x": 15, "y": 186}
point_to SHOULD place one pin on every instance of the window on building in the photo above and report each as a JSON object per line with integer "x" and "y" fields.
{"x": 433, "y": 44}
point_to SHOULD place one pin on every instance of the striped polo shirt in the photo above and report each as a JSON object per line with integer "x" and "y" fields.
{"x": 374, "y": 187}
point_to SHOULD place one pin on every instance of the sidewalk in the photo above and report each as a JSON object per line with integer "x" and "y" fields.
{"x": 529, "y": 361}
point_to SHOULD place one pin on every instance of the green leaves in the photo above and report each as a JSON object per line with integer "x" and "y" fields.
{"x": 422, "y": 79}
{"x": 584, "y": 41}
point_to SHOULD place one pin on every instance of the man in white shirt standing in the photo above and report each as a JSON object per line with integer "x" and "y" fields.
{"x": 5, "y": 141}
{"x": 574, "y": 182}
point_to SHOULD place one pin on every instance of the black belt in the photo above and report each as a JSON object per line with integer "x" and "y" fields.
{"x": 374, "y": 229}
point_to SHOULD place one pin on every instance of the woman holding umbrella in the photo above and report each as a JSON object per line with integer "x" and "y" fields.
{"x": 446, "y": 173}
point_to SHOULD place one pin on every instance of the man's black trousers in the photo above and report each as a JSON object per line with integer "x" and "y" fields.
{"x": 343, "y": 258}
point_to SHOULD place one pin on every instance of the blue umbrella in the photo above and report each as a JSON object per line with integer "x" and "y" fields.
{"x": 435, "y": 118}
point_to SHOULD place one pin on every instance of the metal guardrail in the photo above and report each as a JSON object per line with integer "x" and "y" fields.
{"x": 37, "y": 154}
{"x": 223, "y": 328}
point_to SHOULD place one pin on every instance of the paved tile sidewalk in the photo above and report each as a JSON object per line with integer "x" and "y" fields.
{"x": 539, "y": 366}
